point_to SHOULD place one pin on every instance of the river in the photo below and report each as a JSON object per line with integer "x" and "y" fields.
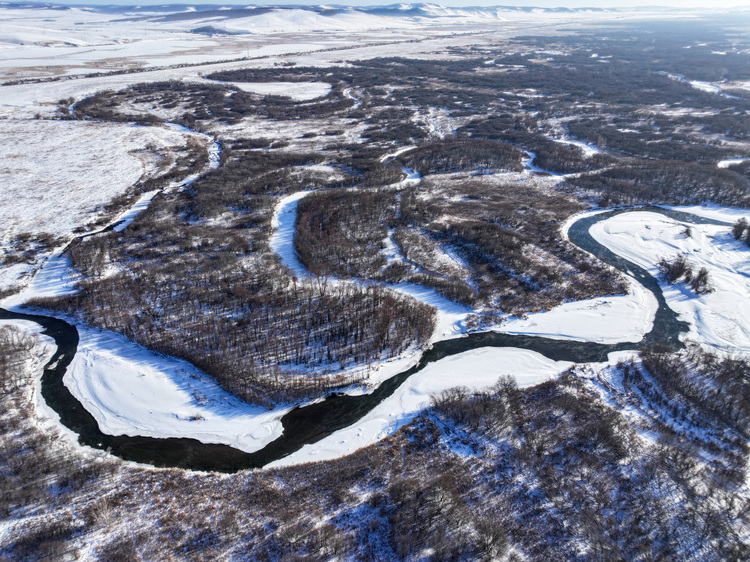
{"x": 311, "y": 423}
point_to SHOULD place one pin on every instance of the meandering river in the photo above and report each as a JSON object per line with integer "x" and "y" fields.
{"x": 311, "y": 423}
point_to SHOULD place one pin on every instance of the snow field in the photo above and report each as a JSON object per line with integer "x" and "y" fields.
{"x": 589, "y": 150}
{"x": 55, "y": 174}
{"x": 298, "y": 91}
{"x": 476, "y": 370}
{"x": 37, "y": 42}
{"x": 718, "y": 319}
{"x": 730, "y": 162}
{"x": 132, "y": 391}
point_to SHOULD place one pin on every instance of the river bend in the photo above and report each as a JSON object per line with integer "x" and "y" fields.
{"x": 311, "y": 423}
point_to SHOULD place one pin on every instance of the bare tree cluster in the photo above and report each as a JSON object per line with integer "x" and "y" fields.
{"x": 679, "y": 269}
{"x": 718, "y": 386}
{"x": 740, "y": 230}
{"x": 542, "y": 473}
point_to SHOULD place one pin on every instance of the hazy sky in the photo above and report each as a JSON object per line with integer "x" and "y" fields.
{"x": 463, "y": 3}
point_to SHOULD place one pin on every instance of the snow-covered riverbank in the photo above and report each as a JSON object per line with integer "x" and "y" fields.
{"x": 718, "y": 319}
{"x": 131, "y": 391}
{"x": 476, "y": 370}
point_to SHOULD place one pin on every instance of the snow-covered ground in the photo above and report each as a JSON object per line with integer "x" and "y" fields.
{"x": 284, "y": 225}
{"x": 132, "y": 391}
{"x": 396, "y": 153}
{"x": 298, "y": 91}
{"x": 476, "y": 370}
{"x": 55, "y": 174}
{"x": 730, "y": 162}
{"x": 718, "y": 319}
{"x": 621, "y": 318}
{"x": 589, "y": 150}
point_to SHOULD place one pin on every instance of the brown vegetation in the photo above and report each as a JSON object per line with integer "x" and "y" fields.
{"x": 543, "y": 473}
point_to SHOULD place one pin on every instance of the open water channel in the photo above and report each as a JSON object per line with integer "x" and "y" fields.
{"x": 311, "y": 423}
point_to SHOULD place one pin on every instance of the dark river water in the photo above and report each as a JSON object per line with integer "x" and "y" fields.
{"x": 311, "y": 423}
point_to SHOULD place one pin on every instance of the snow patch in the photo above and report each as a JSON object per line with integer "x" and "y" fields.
{"x": 718, "y": 319}
{"x": 476, "y": 370}
{"x": 132, "y": 391}
{"x": 298, "y": 91}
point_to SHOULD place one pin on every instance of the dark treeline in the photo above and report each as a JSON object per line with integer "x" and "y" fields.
{"x": 667, "y": 182}
{"x": 679, "y": 269}
{"x": 199, "y": 102}
{"x": 250, "y": 180}
{"x": 483, "y": 157}
{"x": 508, "y": 233}
{"x": 343, "y": 233}
{"x": 214, "y": 295}
{"x": 333, "y": 239}
{"x": 656, "y": 137}
{"x": 740, "y": 230}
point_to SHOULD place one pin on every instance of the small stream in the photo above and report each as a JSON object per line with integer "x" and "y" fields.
{"x": 308, "y": 424}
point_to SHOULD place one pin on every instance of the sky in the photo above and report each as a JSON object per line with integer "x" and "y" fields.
{"x": 456, "y": 3}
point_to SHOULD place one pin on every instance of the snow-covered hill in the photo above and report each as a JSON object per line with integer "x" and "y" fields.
{"x": 47, "y": 40}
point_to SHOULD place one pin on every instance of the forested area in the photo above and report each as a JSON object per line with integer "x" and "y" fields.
{"x": 677, "y": 183}
{"x": 238, "y": 314}
{"x": 200, "y": 281}
{"x": 554, "y": 471}
{"x": 503, "y": 238}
